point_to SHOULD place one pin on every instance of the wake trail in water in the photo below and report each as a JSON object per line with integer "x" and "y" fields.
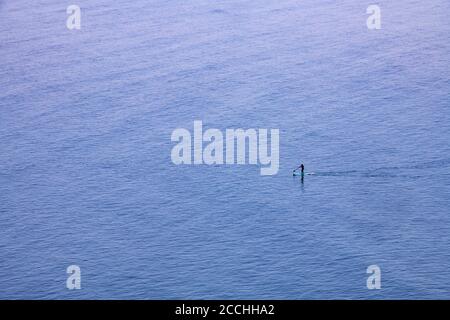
{"x": 426, "y": 170}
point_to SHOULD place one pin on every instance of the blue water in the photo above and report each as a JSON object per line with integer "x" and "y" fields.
{"x": 86, "y": 176}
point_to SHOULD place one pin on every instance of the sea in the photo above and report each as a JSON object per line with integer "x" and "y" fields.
{"x": 87, "y": 178}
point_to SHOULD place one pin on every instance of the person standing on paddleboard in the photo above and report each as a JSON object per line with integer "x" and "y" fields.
{"x": 302, "y": 168}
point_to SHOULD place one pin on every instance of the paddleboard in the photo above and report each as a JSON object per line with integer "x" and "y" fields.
{"x": 304, "y": 174}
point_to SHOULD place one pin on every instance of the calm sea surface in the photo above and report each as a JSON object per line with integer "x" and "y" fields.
{"x": 86, "y": 176}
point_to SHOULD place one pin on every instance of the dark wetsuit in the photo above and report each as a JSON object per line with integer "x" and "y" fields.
{"x": 302, "y": 167}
